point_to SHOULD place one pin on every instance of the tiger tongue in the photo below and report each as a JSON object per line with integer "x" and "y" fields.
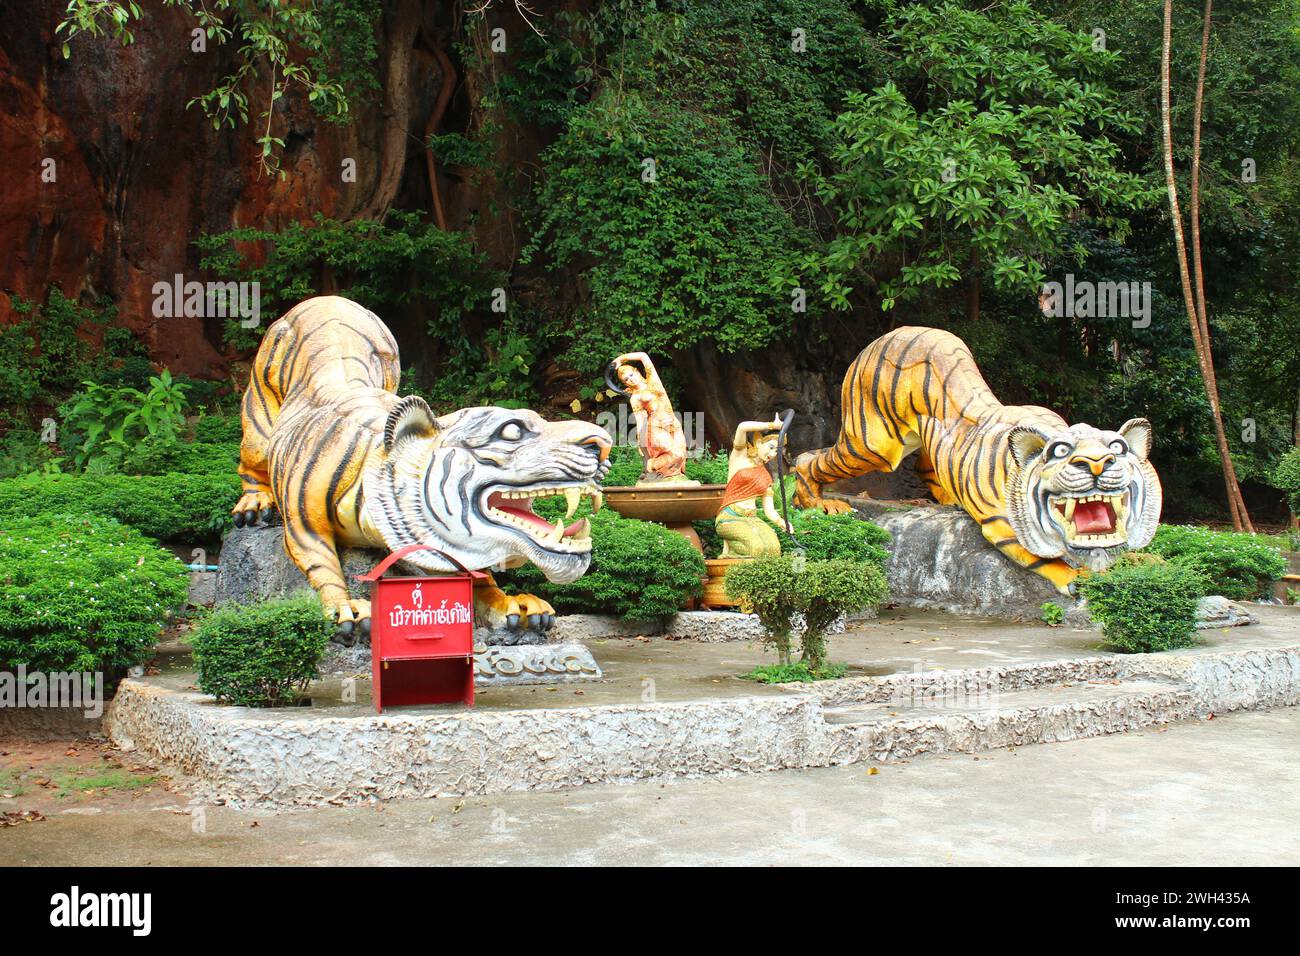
{"x": 1093, "y": 517}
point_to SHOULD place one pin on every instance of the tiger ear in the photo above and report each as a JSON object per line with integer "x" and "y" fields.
{"x": 1137, "y": 432}
{"x": 410, "y": 418}
{"x": 1026, "y": 442}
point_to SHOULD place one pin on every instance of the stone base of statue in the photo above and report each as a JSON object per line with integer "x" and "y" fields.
{"x": 939, "y": 559}
{"x": 255, "y": 567}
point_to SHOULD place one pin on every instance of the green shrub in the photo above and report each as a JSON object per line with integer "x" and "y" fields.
{"x": 796, "y": 673}
{"x": 1052, "y": 614}
{"x": 104, "y": 422}
{"x": 260, "y": 655}
{"x": 1145, "y": 607}
{"x": 766, "y": 587}
{"x": 23, "y": 453}
{"x": 219, "y": 429}
{"x": 183, "y": 508}
{"x": 824, "y": 537}
{"x": 831, "y": 589}
{"x": 82, "y": 593}
{"x": 626, "y": 465}
{"x": 1286, "y": 478}
{"x": 708, "y": 469}
{"x": 776, "y": 590}
{"x": 640, "y": 571}
{"x": 163, "y": 456}
{"x": 1236, "y": 565}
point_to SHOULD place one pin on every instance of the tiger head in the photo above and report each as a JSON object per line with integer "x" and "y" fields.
{"x": 1082, "y": 494}
{"x": 465, "y": 484}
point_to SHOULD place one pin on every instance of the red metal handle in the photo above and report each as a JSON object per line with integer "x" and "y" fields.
{"x": 400, "y": 553}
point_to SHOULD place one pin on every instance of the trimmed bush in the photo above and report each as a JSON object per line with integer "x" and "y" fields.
{"x": 82, "y": 593}
{"x": 1145, "y": 607}
{"x": 1236, "y": 565}
{"x": 845, "y": 537}
{"x": 776, "y": 590}
{"x": 765, "y": 587}
{"x": 173, "y": 507}
{"x": 830, "y": 589}
{"x": 260, "y": 655}
{"x": 640, "y": 571}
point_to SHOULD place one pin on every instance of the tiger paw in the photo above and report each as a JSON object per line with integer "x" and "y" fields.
{"x": 253, "y": 507}
{"x": 351, "y": 620}
{"x": 829, "y": 505}
{"x": 497, "y": 609}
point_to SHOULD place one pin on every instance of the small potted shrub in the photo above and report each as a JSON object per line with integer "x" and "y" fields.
{"x": 261, "y": 655}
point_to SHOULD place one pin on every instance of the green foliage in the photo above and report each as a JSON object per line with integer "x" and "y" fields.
{"x": 1052, "y": 614}
{"x": 776, "y": 590}
{"x": 708, "y": 469}
{"x": 766, "y": 587}
{"x": 1145, "y": 607}
{"x": 103, "y": 422}
{"x": 260, "y": 655}
{"x": 187, "y": 509}
{"x": 51, "y": 348}
{"x": 219, "y": 429}
{"x": 1286, "y": 477}
{"x": 991, "y": 135}
{"x": 640, "y": 571}
{"x": 82, "y": 593}
{"x": 23, "y": 452}
{"x": 830, "y": 589}
{"x": 684, "y": 258}
{"x": 625, "y": 466}
{"x": 500, "y": 372}
{"x": 1238, "y": 566}
{"x": 172, "y": 455}
{"x": 382, "y": 265}
{"x": 845, "y": 537}
{"x": 796, "y": 673}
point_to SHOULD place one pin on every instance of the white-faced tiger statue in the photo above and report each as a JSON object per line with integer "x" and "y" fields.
{"x": 1051, "y": 496}
{"x": 347, "y": 463}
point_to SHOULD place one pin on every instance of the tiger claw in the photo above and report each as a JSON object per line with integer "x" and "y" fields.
{"x": 512, "y": 622}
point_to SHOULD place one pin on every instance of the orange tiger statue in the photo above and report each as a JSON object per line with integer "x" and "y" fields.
{"x": 347, "y": 463}
{"x": 1050, "y": 496}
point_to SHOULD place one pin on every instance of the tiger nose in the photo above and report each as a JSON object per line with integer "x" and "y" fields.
{"x": 599, "y": 445}
{"x": 592, "y": 437}
{"x": 1094, "y": 465}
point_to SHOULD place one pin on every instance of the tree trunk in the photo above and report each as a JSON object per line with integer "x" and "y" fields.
{"x": 1195, "y": 306}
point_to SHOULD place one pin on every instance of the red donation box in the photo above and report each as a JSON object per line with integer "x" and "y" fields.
{"x": 421, "y": 635}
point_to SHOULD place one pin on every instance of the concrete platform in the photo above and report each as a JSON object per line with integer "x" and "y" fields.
{"x": 921, "y": 682}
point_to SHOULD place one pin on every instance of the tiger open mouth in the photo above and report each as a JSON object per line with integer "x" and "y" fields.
{"x": 514, "y": 507}
{"x": 1092, "y": 521}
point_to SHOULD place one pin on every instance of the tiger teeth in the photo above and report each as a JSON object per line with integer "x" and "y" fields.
{"x": 573, "y": 496}
{"x": 1069, "y": 508}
